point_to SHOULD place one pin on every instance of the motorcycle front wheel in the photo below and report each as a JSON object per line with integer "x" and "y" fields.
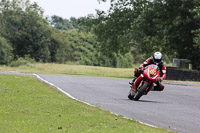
{"x": 140, "y": 92}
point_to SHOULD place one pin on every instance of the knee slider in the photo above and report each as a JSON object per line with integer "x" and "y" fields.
{"x": 162, "y": 87}
{"x": 159, "y": 88}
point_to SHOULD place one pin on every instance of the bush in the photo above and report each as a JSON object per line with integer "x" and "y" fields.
{"x": 22, "y": 61}
{"x": 5, "y": 51}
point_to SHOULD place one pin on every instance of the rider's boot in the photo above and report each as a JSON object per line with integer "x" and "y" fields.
{"x": 132, "y": 81}
{"x": 158, "y": 87}
{"x": 132, "y": 92}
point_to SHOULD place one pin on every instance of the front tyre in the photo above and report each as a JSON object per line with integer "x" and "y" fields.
{"x": 141, "y": 91}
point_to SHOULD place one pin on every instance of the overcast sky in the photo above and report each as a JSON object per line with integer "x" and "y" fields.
{"x": 71, "y": 8}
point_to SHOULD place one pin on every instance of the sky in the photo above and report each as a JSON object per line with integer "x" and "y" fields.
{"x": 71, "y": 8}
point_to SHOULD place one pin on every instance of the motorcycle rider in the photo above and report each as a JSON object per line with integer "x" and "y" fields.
{"x": 157, "y": 60}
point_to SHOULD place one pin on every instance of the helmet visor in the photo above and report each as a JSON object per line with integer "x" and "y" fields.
{"x": 157, "y": 60}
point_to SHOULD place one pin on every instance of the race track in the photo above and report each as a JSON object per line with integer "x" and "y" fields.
{"x": 177, "y": 108}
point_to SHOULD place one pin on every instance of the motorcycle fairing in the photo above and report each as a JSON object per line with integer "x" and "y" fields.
{"x": 150, "y": 75}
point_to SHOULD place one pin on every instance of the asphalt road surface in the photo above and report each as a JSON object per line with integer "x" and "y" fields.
{"x": 177, "y": 108}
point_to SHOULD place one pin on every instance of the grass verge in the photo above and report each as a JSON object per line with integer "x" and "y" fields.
{"x": 30, "y": 106}
{"x": 51, "y": 68}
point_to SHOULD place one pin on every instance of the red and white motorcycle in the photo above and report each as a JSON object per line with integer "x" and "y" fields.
{"x": 145, "y": 82}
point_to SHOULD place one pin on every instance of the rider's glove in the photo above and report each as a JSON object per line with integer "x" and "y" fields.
{"x": 141, "y": 68}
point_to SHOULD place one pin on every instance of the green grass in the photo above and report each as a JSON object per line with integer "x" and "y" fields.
{"x": 51, "y": 68}
{"x": 30, "y": 106}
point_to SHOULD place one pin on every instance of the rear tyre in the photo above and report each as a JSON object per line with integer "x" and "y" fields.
{"x": 141, "y": 91}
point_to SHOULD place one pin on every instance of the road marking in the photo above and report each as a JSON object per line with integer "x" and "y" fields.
{"x": 59, "y": 89}
{"x": 67, "y": 94}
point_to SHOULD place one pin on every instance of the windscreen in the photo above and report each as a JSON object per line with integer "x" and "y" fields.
{"x": 155, "y": 67}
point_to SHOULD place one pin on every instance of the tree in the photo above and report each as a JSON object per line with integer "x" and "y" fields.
{"x": 83, "y": 47}
{"x": 26, "y": 29}
{"x": 152, "y": 25}
{"x": 23, "y": 25}
{"x": 5, "y": 51}
{"x": 60, "y": 49}
{"x": 196, "y": 51}
{"x": 195, "y": 57}
{"x": 60, "y": 23}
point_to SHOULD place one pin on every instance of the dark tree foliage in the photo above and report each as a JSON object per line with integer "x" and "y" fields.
{"x": 115, "y": 34}
{"x": 83, "y": 47}
{"x": 130, "y": 28}
{"x": 83, "y": 44}
{"x": 23, "y": 25}
{"x": 60, "y": 49}
{"x": 5, "y": 51}
{"x": 60, "y": 23}
{"x": 26, "y": 30}
{"x": 165, "y": 25}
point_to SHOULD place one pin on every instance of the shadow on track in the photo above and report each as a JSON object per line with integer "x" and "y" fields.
{"x": 144, "y": 101}
{"x": 147, "y": 101}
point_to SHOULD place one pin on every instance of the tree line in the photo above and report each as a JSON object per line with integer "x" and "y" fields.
{"x": 169, "y": 26}
{"x": 129, "y": 32}
{"x": 25, "y": 32}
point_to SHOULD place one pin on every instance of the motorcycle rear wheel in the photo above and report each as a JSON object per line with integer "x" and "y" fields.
{"x": 140, "y": 92}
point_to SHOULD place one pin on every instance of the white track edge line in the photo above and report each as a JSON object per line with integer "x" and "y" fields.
{"x": 67, "y": 94}
{"x": 59, "y": 89}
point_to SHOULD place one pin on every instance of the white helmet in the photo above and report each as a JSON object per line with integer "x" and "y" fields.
{"x": 157, "y": 57}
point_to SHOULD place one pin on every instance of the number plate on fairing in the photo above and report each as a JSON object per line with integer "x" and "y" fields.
{"x": 153, "y": 72}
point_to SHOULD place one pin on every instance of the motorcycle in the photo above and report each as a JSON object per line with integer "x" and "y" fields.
{"x": 145, "y": 82}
